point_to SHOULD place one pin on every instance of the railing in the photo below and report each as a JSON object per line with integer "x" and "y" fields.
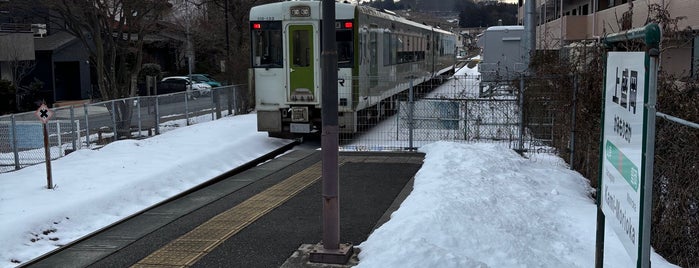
{"x": 15, "y": 27}
{"x": 453, "y": 111}
{"x": 97, "y": 124}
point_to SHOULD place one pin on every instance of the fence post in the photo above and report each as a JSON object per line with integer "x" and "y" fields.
{"x": 465, "y": 120}
{"x": 186, "y": 108}
{"x": 138, "y": 112}
{"x": 116, "y": 136}
{"x": 217, "y": 101}
{"x": 411, "y": 110}
{"x": 72, "y": 128}
{"x": 14, "y": 142}
{"x": 59, "y": 139}
{"x": 521, "y": 113}
{"x": 157, "y": 115}
{"x": 234, "y": 99}
{"x": 572, "y": 131}
{"x": 229, "y": 99}
{"x": 87, "y": 126}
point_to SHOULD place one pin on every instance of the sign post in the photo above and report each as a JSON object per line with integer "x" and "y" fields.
{"x": 628, "y": 140}
{"x": 44, "y": 114}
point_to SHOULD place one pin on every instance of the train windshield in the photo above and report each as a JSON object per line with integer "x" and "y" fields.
{"x": 267, "y": 45}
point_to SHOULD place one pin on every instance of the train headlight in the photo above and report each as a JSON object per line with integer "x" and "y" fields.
{"x": 299, "y": 114}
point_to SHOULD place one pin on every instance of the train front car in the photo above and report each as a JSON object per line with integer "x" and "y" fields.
{"x": 286, "y": 64}
{"x": 379, "y": 56}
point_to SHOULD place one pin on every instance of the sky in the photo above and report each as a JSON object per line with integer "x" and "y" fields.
{"x": 485, "y": 205}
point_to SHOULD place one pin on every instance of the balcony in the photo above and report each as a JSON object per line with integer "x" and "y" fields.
{"x": 16, "y": 42}
{"x": 15, "y": 27}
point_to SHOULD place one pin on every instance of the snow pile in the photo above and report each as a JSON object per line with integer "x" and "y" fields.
{"x": 98, "y": 187}
{"x": 482, "y": 205}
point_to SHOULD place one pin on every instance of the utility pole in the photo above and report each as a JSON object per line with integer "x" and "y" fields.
{"x": 331, "y": 251}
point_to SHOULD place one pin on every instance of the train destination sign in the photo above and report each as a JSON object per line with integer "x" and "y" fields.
{"x": 623, "y": 148}
{"x": 300, "y": 11}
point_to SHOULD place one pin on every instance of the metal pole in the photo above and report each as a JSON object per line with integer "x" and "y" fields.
{"x": 138, "y": 112}
{"x": 521, "y": 113}
{"x": 87, "y": 126}
{"x": 654, "y": 56}
{"x": 466, "y": 120}
{"x": 72, "y": 127}
{"x": 233, "y": 106}
{"x": 58, "y": 138}
{"x": 157, "y": 115}
{"x": 530, "y": 28}
{"x": 14, "y": 142}
{"x": 216, "y": 104}
{"x": 572, "y": 132}
{"x": 47, "y": 154}
{"x": 114, "y": 122}
{"x": 599, "y": 245}
{"x": 330, "y": 130}
{"x": 186, "y": 108}
{"x": 231, "y": 93}
{"x": 411, "y": 111}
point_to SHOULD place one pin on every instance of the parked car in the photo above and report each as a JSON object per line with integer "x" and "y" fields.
{"x": 183, "y": 83}
{"x": 205, "y": 78}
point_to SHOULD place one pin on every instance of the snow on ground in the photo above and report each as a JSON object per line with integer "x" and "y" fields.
{"x": 483, "y": 205}
{"x": 473, "y": 205}
{"x": 95, "y": 188}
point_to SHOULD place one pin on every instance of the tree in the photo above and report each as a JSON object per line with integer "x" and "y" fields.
{"x": 484, "y": 15}
{"x": 112, "y": 32}
{"x": 20, "y": 62}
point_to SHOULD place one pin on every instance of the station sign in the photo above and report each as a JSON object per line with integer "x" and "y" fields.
{"x": 624, "y": 147}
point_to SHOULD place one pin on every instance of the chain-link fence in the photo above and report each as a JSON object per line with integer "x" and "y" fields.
{"x": 93, "y": 125}
{"x": 675, "y": 218}
{"x": 456, "y": 108}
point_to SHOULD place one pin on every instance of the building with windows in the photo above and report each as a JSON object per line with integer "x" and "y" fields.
{"x": 561, "y": 23}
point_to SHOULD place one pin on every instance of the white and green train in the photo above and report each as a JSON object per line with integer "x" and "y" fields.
{"x": 379, "y": 55}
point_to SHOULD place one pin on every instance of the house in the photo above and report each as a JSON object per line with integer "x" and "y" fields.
{"x": 63, "y": 67}
{"x": 564, "y": 22}
{"x": 47, "y": 64}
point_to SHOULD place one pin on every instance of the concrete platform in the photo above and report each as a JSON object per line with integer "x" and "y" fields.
{"x": 258, "y": 218}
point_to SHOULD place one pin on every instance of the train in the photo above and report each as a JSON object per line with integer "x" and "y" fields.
{"x": 380, "y": 55}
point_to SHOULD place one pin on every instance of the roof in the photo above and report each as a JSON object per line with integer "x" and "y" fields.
{"x": 506, "y": 28}
{"x": 54, "y": 41}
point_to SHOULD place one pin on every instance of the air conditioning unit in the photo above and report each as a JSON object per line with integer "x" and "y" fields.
{"x": 39, "y": 30}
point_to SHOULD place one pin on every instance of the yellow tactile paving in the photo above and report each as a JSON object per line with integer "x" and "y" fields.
{"x": 190, "y": 247}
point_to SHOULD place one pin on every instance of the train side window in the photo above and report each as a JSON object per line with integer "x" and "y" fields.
{"x": 267, "y": 46}
{"x": 345, "y": 48}
{"x": 387, "y": 49}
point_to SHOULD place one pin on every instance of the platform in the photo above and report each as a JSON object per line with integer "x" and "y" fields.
{"x": 257, "y": 218}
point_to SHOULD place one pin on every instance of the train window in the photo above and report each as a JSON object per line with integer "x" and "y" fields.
{"x": 267, "y": 45}
{"x": 345, "y": 48}
{"x": 302, "y": 48}
{"x": 387, "y": 49}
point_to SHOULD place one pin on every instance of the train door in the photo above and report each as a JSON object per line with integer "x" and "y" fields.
{"x": 301, "y": 63}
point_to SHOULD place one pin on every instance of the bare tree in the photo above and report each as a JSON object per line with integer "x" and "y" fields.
{"x": 20, "y": 62}
{"x": 113, "y": 32}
